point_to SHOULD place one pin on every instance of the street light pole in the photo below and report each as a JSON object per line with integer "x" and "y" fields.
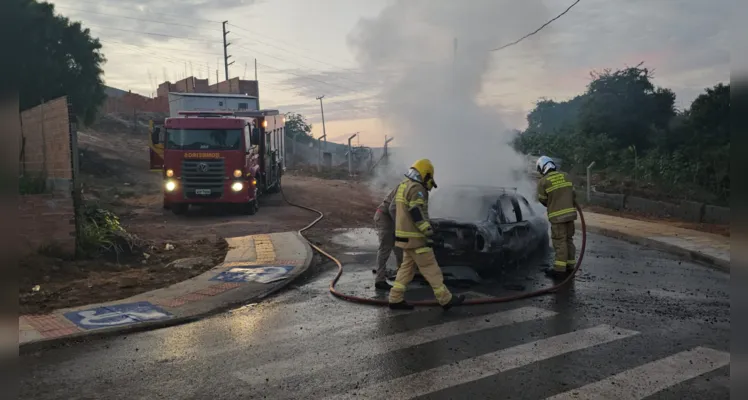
{"x": 319, "y": 145}
{"x": 322, "y": 110}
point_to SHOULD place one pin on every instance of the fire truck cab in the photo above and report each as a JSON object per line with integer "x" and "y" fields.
{"x": 229, "y": 158}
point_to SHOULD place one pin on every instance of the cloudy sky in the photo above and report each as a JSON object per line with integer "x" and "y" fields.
{"x": 345, "y": 49}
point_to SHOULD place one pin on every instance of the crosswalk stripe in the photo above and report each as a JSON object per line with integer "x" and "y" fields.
{"x": 648, "y": 379}
{"x": 473, "y": 369}
{"x": 336, "y": 324}
{"x": 312, "y": 364}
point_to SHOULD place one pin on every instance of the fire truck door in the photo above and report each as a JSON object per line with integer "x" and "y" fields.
{"x": 156, "y": 145}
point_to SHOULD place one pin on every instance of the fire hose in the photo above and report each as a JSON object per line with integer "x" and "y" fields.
{"x": 433, "y": 303}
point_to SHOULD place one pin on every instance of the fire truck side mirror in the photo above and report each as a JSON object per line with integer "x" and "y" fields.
{"x": 155, "y": 135}
{"x": 255, "y": 138}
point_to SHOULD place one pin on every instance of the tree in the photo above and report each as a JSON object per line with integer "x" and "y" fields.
{"x": 709, "y": 116}
{"x": 550, "y": 116}
{"x": 61, "y": 58}
{"x": 297, "y": 128}
{"x": 625, "y": 105}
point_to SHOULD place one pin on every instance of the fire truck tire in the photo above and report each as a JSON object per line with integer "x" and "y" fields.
{"x": 179, "y": 209}
{"x": 251, "y": 207}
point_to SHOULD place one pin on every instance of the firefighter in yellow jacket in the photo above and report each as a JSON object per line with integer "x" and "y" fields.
{"x": 413, "y": 234}
{"x": 556, "y": 192}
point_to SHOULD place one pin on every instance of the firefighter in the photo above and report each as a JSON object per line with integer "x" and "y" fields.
{"x": 413, "y": 234}
{"x": 556, "y": 193}
{"x": 384, "y": 223}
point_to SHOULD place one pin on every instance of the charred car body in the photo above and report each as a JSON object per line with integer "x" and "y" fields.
{"x": 493, "y": 228}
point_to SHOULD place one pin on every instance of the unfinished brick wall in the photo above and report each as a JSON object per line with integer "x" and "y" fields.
{"x": 46, "y": 140}
{"x": 131, "y": 101}
{"x": 235, "y": 86}
{"x": 47, "y": 221}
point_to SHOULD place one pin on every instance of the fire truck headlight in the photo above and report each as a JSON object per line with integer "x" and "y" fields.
{"x": 170, "y": 186}
{"x": 237, "y": 173}
{"x": 169, "y": 173}
{"x": 254, "y": 182}
{"x": 265, "y": 124}
{"x": 237, "y": 186}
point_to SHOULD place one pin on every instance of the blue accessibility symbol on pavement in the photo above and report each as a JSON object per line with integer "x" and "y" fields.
{"x": 117, "y": 315}
{"x": 254, "y": 274}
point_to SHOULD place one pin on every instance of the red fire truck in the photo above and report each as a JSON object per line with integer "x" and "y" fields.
{"x": 219, "y": 157}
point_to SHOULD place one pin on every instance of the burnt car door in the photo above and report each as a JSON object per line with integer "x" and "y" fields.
{"x": 516, "y": 230}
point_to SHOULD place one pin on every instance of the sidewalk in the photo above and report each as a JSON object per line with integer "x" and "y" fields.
{"x": 706, "y": 248}
{"x": 255, "y": 266}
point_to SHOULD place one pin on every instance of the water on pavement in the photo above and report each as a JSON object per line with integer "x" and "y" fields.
{"x": 637, "y": 323}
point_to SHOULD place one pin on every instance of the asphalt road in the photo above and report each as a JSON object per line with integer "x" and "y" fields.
{"x": 636, "y": 324}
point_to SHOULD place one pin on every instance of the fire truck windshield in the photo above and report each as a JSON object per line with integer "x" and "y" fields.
{"x": 204, "y": 139}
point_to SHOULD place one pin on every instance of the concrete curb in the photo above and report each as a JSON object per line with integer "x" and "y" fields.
{"x": 695, "y": 256}
{"x": 45, "y": 344}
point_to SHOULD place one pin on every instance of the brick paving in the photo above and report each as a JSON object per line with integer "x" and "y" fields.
{"x": 248, "y": 251}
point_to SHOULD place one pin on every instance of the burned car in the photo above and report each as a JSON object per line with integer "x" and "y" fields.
{"x": 486, "y": 228}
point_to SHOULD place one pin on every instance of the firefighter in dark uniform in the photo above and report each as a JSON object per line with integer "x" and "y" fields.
{"x": 556, "y": 193}
{"x": 384, "y": 224}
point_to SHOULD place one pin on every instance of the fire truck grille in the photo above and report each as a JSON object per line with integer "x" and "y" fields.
{"x": 203, "y": 179}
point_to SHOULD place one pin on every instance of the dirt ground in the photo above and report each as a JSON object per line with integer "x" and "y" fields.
{"x": 115, "y": 176}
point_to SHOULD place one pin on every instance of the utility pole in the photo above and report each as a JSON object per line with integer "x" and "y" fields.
{"x": 226, "y": 55}
{"x": 255, "y": 70}
{"x": 350, "y": 154}
{"x": 386, "y": 142}
{"x": 322, "y": 109}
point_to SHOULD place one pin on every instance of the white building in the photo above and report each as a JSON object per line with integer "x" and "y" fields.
{"x": 210, "y": 101}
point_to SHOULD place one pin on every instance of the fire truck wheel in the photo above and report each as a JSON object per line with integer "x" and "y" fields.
{"x": 251, "y": 208}
{"x": 179, "y": 209}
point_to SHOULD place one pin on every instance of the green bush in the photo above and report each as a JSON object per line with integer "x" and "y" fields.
{"x": 102, "y": 234}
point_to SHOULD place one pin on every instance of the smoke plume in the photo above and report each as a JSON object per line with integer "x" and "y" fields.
{"x": 430, "y": 103}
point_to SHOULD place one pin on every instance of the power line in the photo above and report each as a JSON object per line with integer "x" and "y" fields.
{"x": 286, "y": 43}
{"x": 214, "y": 29}
{"x": 537, "y": 30}
{"x": 179, "y": 17}
{"x": 150, "y": 33}
{"x": 206, "y": 41}
{"x": 136, "y": 19}
{"x": 238, "y": 27}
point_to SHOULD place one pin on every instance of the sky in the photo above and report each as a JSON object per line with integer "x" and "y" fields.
{"x": 346, "y": 50}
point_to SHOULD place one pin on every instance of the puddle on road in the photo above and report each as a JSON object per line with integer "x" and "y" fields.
{"x": 358, "y": 238}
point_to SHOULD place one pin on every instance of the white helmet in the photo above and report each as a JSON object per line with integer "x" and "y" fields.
{"x": 544, "y": 164}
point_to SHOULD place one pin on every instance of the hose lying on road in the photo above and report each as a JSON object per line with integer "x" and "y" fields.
{"x": 486, "y": 300}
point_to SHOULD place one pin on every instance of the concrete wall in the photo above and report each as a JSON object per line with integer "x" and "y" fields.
{"x": 688, "y": 211}
{"x": 716, "y": 215}
{"x": 47, "y": 220}
{"x": 612, "y": 201}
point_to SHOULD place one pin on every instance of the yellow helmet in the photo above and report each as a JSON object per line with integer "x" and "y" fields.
{"x": 426, "y": 169}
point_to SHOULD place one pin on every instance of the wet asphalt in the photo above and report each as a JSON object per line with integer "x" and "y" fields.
{"x": 629, "y": 306}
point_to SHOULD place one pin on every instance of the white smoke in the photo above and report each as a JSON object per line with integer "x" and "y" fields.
{"x": 430, "y": 105}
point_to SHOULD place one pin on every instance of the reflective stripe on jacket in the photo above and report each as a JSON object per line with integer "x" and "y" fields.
{"x": 556, "y": 192}
{"x": 412, "y": 225}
